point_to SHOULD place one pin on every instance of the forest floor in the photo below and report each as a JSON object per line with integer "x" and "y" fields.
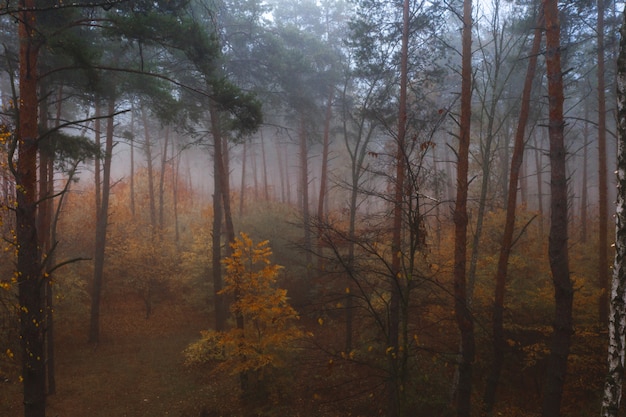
{"x": 136, "y": 370}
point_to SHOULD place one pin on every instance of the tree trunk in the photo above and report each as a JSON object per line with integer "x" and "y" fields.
{"x": 266, "y": 190}
{"x": 243, "y": 178}
{"x": 148, "y": 150}
{"x": 617, "y": 308}
{"x": 461, "y": 307}
{"x": 175, "y": 178}
{"x": 132, "y": 162}
{"x": 162, "y": 182}
{"x": 584, "y": 193}
{"x": 31, "y": 316}
{"x": 603, "y": 220}
{"x": 517, "y": 159}
{"x": 395, "y": 387}
{"x": 304, "y": 195}
{"x": 325, "y": 146}
{"x": 557, "y": 249}
{"x": 221, "y": 308}
{"x": 539, "y": 165}
{"x": 101, "y": 230}
{"x": 321, "y": 215}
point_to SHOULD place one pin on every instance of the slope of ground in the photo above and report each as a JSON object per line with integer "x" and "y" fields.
{"x": 137, "y": 369}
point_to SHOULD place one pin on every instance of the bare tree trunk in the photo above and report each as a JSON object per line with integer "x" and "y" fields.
{"x": 148, "y": 150}
{"x": 603, "y": 220}
{"x": 132, "y": 163}
{"x": 28, "y": 257}
{"x": 175, "y": 179}
{"x": 304, "y": 193}
{"x": 557, "y": 249}
{"x": 255, "y": 173}
{"x": 461, "y": 307}
{"x": 617, "y": 308}
{"x": 101, "y": 230}
{"x": 396, "y": 405}
{"x": 243, "y": 178}
{"x": 583, "y": 194}
{"x": 281, "y": 173}
{"x": 539, "y": 165}
{"x": 517, "y": 159}
{"x": 325, "y": 150}
{"x": 266, "y": 190}
{"x": 162, "y": 182}
{"x": 221, "y": 308}
{"x": 287, "y": 180}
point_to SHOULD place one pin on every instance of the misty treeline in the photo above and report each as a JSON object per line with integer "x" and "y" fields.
{"x": 435, "y": 180}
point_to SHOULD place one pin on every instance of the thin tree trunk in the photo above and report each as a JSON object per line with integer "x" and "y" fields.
{"x": 221, "y": 308}
{"x": 584, "y": 194}
{"x": 255, "y": 173}
{"x": 281, "y": 173}
{"x": 321, "y": 215}
{"x": 396, "y": 383}
{"x": 162, "y": 182}
{"x": 266, "y": 190}
{"x": 304, "y": 194}
{"x": 148, "y": 150}
{"x": 175, "y": 178}
{"x": 287, "y": 181}
{"x": 617, "y": 308}
{"x": 132, "y": 163}
{"x": 461, "y": 307}
{"x": 539, "y": 165}
{"x": 98, "y": 160}
{"x": 603, "y": 220}
{"x": 517, "y": 159}
{"x": 325, "y": 147}
{"x": 243, "y": 178}
{"x": 557, "y": 249}
{"x": 101, "y": 230}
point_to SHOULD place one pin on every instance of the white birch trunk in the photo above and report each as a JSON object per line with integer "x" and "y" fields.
{"x": 617, "y": 308}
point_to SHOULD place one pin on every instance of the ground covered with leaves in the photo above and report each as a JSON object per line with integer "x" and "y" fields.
{"x": 137, "y": 369}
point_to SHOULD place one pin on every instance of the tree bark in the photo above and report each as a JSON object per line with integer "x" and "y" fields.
{"x": 584, "y": 193}
{"x": 461, "y": 308}
{"x": 395, "y": 387}
{"x": 517, "y": 159}
{"x": 31, "y": 316}
{"x": 162, "y": 182}
{"x": 325, "y": 151}
{"x": 603, "y": 217}
{"x": 148, "y": 150}
{"x": 266, "y": 186}
{"x": 617, "y": 308}
{"x": 221, "y": 308}
{"x": 304, "y": 194}
{"x": 101, "y": 229}
{"x": 557, "y": 248}
{"x": 243, "y": 178}
{"x": 132, "y": 163}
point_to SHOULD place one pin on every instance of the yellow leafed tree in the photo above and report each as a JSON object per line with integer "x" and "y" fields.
{"x": 265, "y": 332}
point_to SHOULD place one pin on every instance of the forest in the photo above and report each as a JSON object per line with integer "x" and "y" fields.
{"x": 312, "y": 208}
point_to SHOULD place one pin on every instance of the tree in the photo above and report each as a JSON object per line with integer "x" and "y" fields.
{"x": 617, "y": 308}
{"x": 259, "y": 346}
{"x": 506, "y": 246}
{"x": 461, "y": 306}
{"x": 603, "y": 264}
{"x": 558, "y": 250}
{"x": 30, "y": 280}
